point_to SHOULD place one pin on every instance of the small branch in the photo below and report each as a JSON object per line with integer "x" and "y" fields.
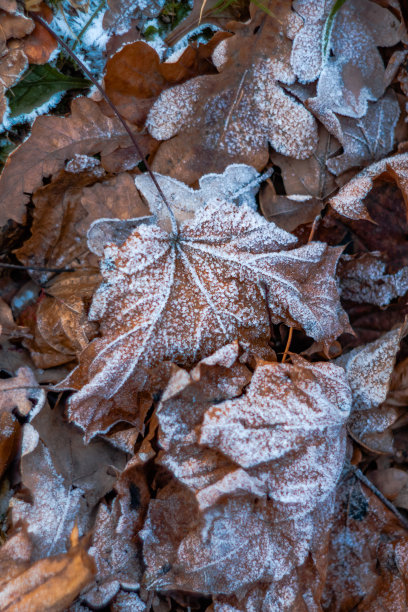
{"x": 37, "y": 268}
{"x": 359, "y": 474}
{"x": 91, "y": 77}
{"x": 288, "y": 343}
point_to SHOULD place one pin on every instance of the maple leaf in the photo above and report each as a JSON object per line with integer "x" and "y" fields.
{"x": 354, "y": 74}
{"x": 211, "y": 275}
{"x": 271, "y": 456}
{"x": 215, "y": 120}
{"x": 349, "y": 200}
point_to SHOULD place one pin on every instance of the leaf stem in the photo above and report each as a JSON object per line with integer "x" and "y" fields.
{"x": 91, "y": 77}
{"x": 37, "y": 268}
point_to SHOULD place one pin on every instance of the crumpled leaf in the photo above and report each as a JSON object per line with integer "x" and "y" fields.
{"x": 349, "y": 200}
{"x": 64, "y": 211}
{"x": 364, "y": 280}
{"x": 48, "y": 584}
{"x": 212, "y": 277}
{"x": 281, "y": 446}
{"x": 354, "y": 74}
{"x": 288, "y": 212}
{"x": 369, "y": 369}
{"x": 368, "y": 550}
{"x": 123, "y": 14}
{"x": 54, "y": 140}
{"x": 65, "y": 479}
{"x": 366, "y": 139}
{"x": 61, "y": 329}
{"x": 231, "y": 117}
{"x": 115, "y": 546}
{"x": 39, "y": 44}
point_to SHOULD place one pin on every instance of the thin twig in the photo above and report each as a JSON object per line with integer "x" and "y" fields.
{"x": 37, "y": 268}
{"x": 288, "y": 343}
{"x": 91, "y": 77}
{"x": 359, "y": 474}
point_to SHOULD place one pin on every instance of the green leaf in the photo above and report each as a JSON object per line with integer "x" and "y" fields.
{"x": 36, "y": 87}
{"x": 328, "y": 26}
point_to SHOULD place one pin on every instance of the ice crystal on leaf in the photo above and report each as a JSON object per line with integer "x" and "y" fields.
{"x": 180, "y": 295}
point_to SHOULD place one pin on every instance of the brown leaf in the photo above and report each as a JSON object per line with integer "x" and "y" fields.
{"x": 53, "y": 140}
{"x": 122, "y": 15}
{"x": 349, "y": 200}
{"x": 367, "y": 569}
{"x": 212, "y": 121}
{"x": 271, "y": 456}
{"x": 49, "y": 584}
{"x": 369, "y": 369}
{"x": 64, "y": 211}
{"x": 288, "y": 212}
{"x": 39, "y": 45}
{"x": 208, "y": 286}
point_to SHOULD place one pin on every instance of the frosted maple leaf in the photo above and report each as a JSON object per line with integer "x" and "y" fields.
{"x": 178, "y": 291}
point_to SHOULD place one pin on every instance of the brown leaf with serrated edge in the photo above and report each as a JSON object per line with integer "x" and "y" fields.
{"x": 349, "y": 200}
{"x": 53, "y": 140}
{"x": 231, "y": 117}
{"x": 208, "y": 12}
{"x": 270, "y": 456}
{"x": 48, "y": 585}
{"x": 64, "y": 211}
{"x": 369, "y": 370}
{"x": 135, "y": 76}
{"x": 179, "y": 299}
{"x": 367, "y": 568}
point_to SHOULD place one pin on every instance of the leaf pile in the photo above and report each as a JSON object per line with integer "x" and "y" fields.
{"x": 203, "y": 302}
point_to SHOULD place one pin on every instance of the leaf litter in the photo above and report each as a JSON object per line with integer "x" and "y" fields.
{"x": 204, "y": 388}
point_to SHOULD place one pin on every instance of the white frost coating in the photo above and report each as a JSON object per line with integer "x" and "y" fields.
{"x": 365, "y": 281}
{"x": 354, "y": 74}
{"x": 369, "y": 369}
{"x": 30, "y": 439}
{"x": 306, "y": 57}
{"x": 80, "y": 163}
{"x": 263, "y": 468}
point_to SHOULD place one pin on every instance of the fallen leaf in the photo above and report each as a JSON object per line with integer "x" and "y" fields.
{"x": 40, "y": 44}
{"x": 364, "y": 280}
{"x": 288, "y": 212}
{"x": 215, "y": 120}
{"x": 369, "y": 369}
{"x": 48, "y": 584}
{"x": 212, "y": 276}
{"x": 282, "y": 452}
{"x": 53, "y": 140}
{"x": 122, "y": 15}
{"x": 354, "y": 74}
{"x": 349, "y": 200}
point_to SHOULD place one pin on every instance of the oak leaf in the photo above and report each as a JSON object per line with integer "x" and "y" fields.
{"x": 244, "y": 108}
{"x": 178, "y": 296}
{"x": 269, "y": 457}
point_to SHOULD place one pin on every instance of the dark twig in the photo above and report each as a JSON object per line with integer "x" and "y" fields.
{"x": 37, "y": 268}
{"x": 91, "y": 77}
{"x": 359, "y": 474}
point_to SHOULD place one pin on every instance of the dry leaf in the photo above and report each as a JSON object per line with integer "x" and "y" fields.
{"x": 122, "y": 15}
{"x": 366, "y": 139}
{"x": 216, "y": 120}
{"x": 53, "y": 140}
{"x": 367, "y": 562}
{"x": 64, "y": 211}
{"x": 288, "y": 212}
{"x": 212, "y": 278}
{"x": 364, "y": 280}
{"x": 281, "y": 452}
{"x": 39, "y": 45}
{"x": 48, "y": 585}
{"x": 349, "y": 200}
{"x": 369, "y": 369}
{"x": 354, "y": 74}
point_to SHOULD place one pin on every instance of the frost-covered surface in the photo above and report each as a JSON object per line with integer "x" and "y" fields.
{"x": 365, "y": 280}
{"x": 179, "y": 294}
{"x": 258, "y": 474}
